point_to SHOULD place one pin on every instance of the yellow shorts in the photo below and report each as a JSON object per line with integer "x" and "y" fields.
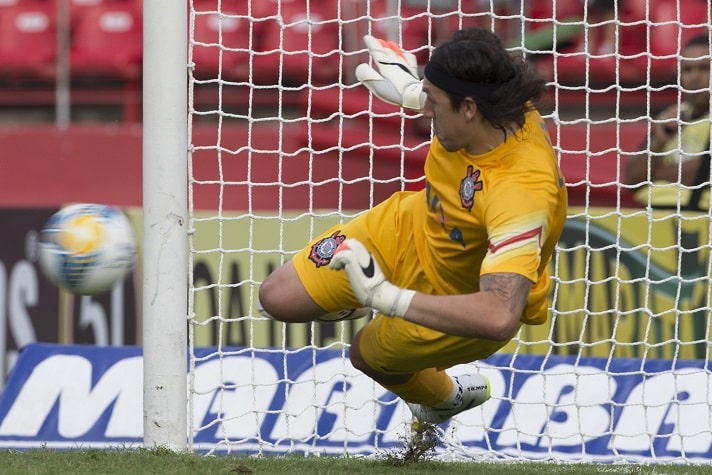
{"x": 389, "y": 345}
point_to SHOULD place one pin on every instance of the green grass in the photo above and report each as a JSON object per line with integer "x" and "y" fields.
{"x": 160, "y": 461}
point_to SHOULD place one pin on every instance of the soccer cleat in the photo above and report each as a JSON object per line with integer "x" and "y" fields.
{"x": 474, "y": 389}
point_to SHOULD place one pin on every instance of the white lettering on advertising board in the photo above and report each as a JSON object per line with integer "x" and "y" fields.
{"x": 67, "y": 379}
{"x": 241, "y": 398}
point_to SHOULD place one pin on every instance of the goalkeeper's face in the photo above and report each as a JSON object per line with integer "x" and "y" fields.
{"x": 451, "y": 127}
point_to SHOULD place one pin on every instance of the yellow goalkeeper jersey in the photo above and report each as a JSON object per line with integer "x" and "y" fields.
{"x": 502, "y": 211}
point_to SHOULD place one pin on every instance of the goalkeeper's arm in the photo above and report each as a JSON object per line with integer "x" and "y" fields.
{"x": 493, "y": 313}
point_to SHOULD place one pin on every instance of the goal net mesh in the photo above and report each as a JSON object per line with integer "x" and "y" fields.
{"x": 285, "y": 143}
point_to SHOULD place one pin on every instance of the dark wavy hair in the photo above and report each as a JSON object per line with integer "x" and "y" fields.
{"x": 699, "y": 40}
{"x": 478, "y": 56}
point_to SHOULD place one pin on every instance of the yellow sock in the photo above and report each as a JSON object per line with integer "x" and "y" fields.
{"x": 429, "y": 387}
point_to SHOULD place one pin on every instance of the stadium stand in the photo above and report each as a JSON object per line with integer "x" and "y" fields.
{"x": 575, "y": 61}
{"x": 106, "y": 51}
{"x": 274, "y": 40}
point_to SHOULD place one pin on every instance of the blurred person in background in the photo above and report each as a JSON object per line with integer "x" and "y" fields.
{"x": 676, "y": 165}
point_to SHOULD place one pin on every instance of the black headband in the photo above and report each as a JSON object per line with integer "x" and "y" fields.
{"x": 442, "y": 79}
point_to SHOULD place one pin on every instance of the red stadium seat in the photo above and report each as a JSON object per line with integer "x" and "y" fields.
{"x": 28, "y": 39}
{"x": 107, "y": 41}
{"x": 302, "y": 46}
{"x": 223, "y": 42}
{"x": 77, "y": 8}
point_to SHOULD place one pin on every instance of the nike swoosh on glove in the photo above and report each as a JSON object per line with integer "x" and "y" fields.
{"x": 396, "y": 81}
{"x": 367, "y": 280}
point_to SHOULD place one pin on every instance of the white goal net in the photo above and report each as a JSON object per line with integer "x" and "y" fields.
{"x": 285, "y": 143}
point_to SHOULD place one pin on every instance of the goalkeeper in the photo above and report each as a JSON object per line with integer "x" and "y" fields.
{"x": 454, "y": 270}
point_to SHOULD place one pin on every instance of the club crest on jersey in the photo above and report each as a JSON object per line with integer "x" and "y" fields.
{"x": 468, "y": 186}
{"x": 323, "y": 250}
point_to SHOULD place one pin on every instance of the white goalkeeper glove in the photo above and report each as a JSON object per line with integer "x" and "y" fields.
{"x": 396, "y": 81}
{"x": 367, "y": 280}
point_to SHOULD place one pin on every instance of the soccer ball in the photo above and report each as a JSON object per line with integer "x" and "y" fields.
{"x": 87, "y": 248}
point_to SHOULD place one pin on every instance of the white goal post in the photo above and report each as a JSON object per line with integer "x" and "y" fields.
{"x": 257, "y": 138}
{"x": 165, "y": 224}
